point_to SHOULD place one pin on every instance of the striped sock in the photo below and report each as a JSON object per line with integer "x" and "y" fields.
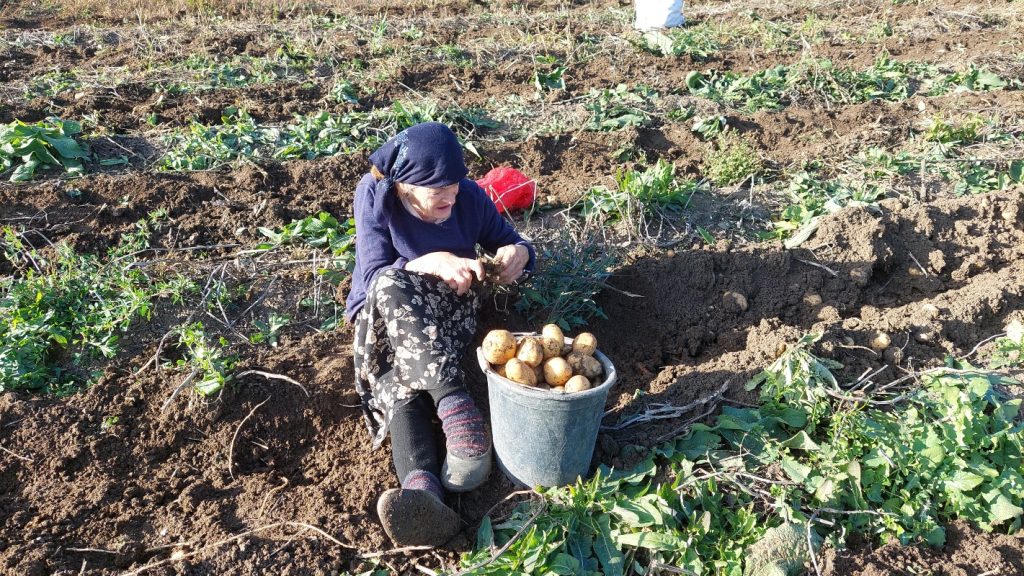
{"x": 463, "y": 426}
{"x": 423, "y": 480}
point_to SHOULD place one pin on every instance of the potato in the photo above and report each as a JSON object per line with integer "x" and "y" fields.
{"x": 530, "y": 351}
{"x": 538, "y": 373}
{"x": 552, "y": 331}
{"x": 585, "y": 342}
{"x": 499, "y": 346}
{"x": 880, "y": 341}
{"x": 499, "y": 369}
{"x": 591, "y": 367}
{"x": 735, "y": 302}
{"x": 521, "y": 372}
{"x": 557, "y": 371}
{"x": 575, "y": 360}
{"x": 577, "y": 384}
{"x": 558, "y": 389}
{"x": 552, "y": 340}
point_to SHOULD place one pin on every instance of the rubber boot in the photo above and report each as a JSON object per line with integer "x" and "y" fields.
{"x": 416, "y": 518}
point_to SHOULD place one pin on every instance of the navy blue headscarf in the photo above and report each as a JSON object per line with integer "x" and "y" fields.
{"x": 427, "y": 154}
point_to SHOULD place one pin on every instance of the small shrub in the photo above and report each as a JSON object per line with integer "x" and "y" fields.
{"x": 732, "y": 162}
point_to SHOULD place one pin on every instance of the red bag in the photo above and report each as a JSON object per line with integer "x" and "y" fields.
{"x": 509, "y": 188}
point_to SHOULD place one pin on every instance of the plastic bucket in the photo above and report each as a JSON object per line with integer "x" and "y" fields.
{"x": 543, "y": 438}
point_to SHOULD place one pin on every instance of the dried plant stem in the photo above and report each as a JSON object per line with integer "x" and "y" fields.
{"x": 236, "y": 538}
{"x": 231, "y": 447}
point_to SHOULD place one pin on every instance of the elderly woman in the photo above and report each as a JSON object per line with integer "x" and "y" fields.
{"x": 414, "y": 303}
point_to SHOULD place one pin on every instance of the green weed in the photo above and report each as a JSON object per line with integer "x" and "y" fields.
{"x": 619, "y": 107}
{"x": 639, "y": 194}
{"x": 24, "y": 148}
{"x": 325, "y": 134}
{"x": 710, "y": 127}
{"x": 732, "y": 162}
{"x": 209, "y": 367}
{"x": 697, "y": 42}
{"x": 322, "y": 231}
{"x": 548, "y": 74}
{"x": 1009, "y": 349}
{"x": 267, "y": 331}
{"x": 204, "y": 147}
{"x": 813, "y": 197}
{"x": 52, "y": 84}
{"x": 67, "y": 310}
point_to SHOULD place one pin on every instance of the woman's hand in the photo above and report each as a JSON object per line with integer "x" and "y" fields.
{"x": 456, "y": 272}
{"x": 513, "y": 260}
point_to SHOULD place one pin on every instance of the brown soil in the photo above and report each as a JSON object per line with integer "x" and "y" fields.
{"x": 79, "y": 495}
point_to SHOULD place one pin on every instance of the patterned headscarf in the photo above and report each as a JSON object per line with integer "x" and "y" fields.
{"x": 427, "y": 154}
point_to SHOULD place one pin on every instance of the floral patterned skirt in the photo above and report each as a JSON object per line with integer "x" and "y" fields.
{"x": 410, "y": 337}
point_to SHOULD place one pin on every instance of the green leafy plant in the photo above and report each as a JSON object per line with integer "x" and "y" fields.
{"x": 697, "y": 42}
{"x": 52, "y": 84}
{"x": 67, "y": 310}
{"x": 655, "y": 190}
{"x": 973, "y": 79}
{"x": 550, "y": 78}
{"x": 710, "y": 127}
{"x": 344, "y": 91}
{"x": 322, "y": 231}
{"x": 813, "y": 197}
{"x": 325, "y": 134}
{"x": 732, "y": 162}
{"x": 43, "y": 145}
{"x": 617, "y": 108}
{"x": 1009, "y": 349}
{"x": 203, "y": 147}
{"x": 268, "y": 330}
{"x": 209, "y": 367}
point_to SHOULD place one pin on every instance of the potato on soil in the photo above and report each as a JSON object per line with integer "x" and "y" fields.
{"x": 557, "y": 371}
{"x": 584, "y": 342}
{"x": 591, "y": 367}
{"x": 577, "y": 383}
{"x": 734, "y": 302}
{"x": 880, "y": 341}
{"x": 518, "y": 371}
{"x": 530, "y": 351}
{"x": 499, "y": 346}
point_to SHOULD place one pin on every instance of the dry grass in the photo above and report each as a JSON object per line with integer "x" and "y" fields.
{"x": 265, "y": 10}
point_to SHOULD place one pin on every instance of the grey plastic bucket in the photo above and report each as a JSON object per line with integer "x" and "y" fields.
{"x": 543, "y": 438}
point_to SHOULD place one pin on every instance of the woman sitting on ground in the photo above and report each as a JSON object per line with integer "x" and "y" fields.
{"x": 414, "y": 305}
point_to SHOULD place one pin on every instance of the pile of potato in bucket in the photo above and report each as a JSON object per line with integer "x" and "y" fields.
{"x": 548, "y": 361}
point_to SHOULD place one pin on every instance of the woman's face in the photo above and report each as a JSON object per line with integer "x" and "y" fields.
{"x": 433, "y": 204}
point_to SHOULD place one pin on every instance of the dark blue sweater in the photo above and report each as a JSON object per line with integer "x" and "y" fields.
{"x": 474, "y": 220}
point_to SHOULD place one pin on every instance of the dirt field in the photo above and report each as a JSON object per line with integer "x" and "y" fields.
{"x": 80, "y": 496}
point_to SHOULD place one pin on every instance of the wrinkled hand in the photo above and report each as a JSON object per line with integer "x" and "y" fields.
{"x": 511, "y": 260}
{"x": 456, "y": 272}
